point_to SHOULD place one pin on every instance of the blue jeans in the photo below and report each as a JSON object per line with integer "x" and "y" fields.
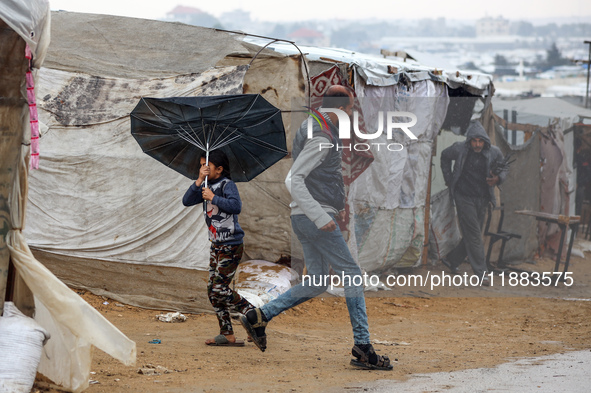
{"x": 322, "y": 250}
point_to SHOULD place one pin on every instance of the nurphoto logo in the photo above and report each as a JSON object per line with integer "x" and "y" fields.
{"x": 392, "y": 120}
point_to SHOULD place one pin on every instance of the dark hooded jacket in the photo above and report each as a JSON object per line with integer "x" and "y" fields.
{"x": 458, "y": 153}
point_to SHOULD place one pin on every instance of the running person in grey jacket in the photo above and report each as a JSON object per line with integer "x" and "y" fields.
{"x": 471, "y": 184}
{"x": 318, "y": 196}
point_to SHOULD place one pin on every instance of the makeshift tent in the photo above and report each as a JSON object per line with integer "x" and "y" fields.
{"x": 108, "y": 218}
{"x": 72, "y": 324}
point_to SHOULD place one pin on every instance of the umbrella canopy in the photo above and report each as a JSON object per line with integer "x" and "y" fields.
{"x": 177, "y": 130}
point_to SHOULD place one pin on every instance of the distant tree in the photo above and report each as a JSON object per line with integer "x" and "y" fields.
{"x": 500, "y": 60}
{"x": 554, "y": 57}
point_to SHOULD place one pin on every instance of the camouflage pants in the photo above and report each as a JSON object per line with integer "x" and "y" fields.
{"x": 223, "y": 262}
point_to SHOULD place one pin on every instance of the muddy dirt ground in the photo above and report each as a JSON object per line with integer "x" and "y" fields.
{"x": 309, "y": 346}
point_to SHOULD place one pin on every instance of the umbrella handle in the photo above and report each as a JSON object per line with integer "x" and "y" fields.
{"x": 206, "y": 161}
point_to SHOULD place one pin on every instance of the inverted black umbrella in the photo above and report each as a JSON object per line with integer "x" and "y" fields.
{"x": 177, "y": 130}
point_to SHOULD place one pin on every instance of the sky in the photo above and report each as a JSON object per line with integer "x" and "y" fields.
{"x": 281, "y": 11}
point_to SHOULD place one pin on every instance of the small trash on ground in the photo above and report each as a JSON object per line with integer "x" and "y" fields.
{"x": 155, "y": 341}
{"x": 171, "y": 317}
{"x": 149, "y": 369}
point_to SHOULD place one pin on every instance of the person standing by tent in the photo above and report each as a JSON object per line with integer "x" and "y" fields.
{"x": 471, "y": 184}
{"x": 221, "y": 206}
{"x": 318, "y": 194}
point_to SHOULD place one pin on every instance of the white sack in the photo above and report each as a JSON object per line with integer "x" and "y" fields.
{"x": 262, "y": 281}
{"x": 21, "y": 345}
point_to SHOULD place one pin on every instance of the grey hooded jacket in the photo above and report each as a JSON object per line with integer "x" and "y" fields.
{"x": 458, "y": 153}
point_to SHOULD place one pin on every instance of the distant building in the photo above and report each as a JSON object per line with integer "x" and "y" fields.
{"x": 489, "y": 26}
{"x": 305, "y": 36}
{"x": 192, "y": 16}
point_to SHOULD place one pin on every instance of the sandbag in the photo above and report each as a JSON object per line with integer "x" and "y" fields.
{"x": 21, "y": 344}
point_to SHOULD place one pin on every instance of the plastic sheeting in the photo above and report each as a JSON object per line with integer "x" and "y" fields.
{"x": 114, "y": 202}
{"x": 521, "y": 191}
{"x": 379, "y": 71}
{"x": 388, "y": 199}
{"x": 73, "y": 322}
{"x": 116, "y": 46}
{"x": 445, "y": 232}
{"x": 544, "y": 165}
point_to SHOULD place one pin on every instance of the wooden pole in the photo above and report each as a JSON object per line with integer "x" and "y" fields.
{"x": 427, "y": 211}
{"x": 588, "y": 67}
{"x": 13, "y": 106}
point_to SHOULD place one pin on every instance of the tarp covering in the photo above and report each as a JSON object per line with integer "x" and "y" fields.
{"x": 114, "y": 202}
{"x": 388, "y": 199}
{"x": 520, "y": 191}
{"x": 13, "y": 118}
{"x": 381, "y": 71}
{"x": 105, "y": 45}
{"x": 445, "y": 232}
{"x": 554, "y": 189}
{"x": 74, "y": 325}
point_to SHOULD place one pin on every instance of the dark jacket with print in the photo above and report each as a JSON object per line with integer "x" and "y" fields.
{"x": 221, "y": 214}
